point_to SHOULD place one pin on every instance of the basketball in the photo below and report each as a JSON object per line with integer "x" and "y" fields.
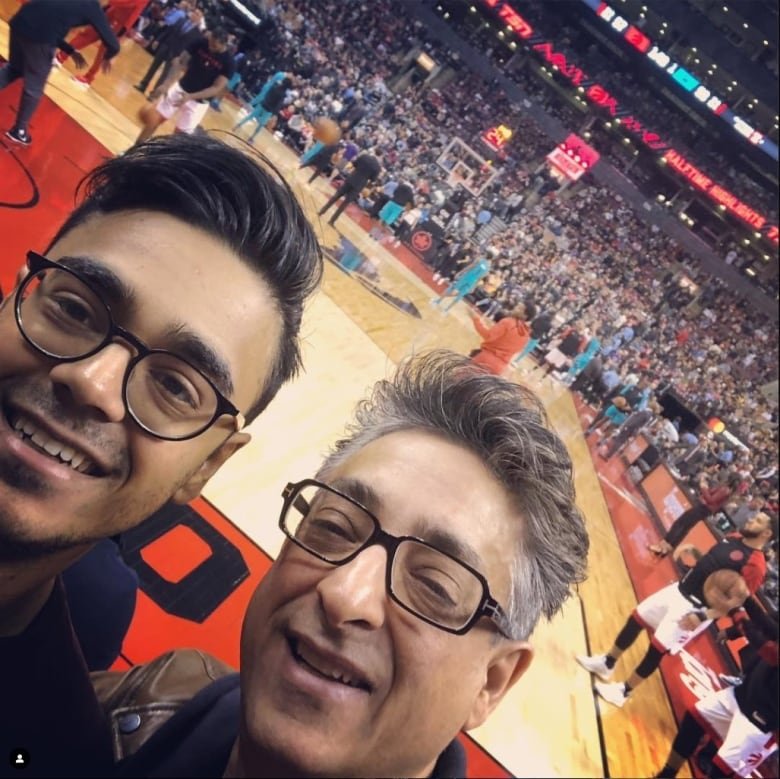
{"x": 725, "y": 590}
{"x": 326, "y": 131}
{"x": 620, "y": 403}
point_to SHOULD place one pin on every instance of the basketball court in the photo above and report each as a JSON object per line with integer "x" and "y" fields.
{"x": 550, "y": 724}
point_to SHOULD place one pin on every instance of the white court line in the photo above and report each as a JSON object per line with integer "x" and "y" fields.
{"x": 637, "y": 504}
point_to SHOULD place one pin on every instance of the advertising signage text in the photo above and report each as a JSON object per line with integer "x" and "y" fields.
{"x": 602, "y": 97}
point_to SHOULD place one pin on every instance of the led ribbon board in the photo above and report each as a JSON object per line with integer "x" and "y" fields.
{"x": 601, "y": 97}
{"x": 682, "y": 77}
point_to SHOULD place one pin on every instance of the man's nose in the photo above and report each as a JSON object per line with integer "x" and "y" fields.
{"x": 356, "y": 592}
{"x": 96, "y": 381}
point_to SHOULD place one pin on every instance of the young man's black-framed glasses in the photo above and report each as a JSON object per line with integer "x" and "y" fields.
{"x": 62, "y": 317}
{"x": 435, "y": 586}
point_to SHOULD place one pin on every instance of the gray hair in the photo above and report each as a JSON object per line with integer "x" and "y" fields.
{"x": 505, "y": 425}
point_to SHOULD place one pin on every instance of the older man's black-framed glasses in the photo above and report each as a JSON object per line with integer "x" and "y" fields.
{"x": 63, "y": 318}
{"x": 431, "y": 584}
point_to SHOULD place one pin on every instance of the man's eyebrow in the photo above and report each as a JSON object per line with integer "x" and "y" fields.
{"x": 179, "y": 338}
{"x": 425, "y": 529}
{"x": 186, "y": 343}
{"x": 449, "y": 543}
{"x": 113, "y": 289}
{"x": 360, "y": 492}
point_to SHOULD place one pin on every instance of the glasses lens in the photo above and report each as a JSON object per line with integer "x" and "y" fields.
{"x": 435, "y": 586}
{"x": 61, "y": 315}
{"x": 326, "y": 524}
{"x": 169, "y": 397}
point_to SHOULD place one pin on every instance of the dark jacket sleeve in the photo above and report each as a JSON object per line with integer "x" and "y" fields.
{"x": 684, "y": 523}
{"x": 98, "y": 20}
{"x": 48, "y": 704}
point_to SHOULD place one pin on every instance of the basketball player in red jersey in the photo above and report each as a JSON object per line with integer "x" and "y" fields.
{"x": 682, "y": 610}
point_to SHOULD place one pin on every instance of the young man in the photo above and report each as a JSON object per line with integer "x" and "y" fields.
{"x": 681, "y": 611}
{"x": 268, "y": 102}
{"x": 416, "y": 565}
{"x": 465, "y": 282}
{"x": 37, "y": 29}
{"x": 161, "y": 319}
{"x": 635, "y": 423}
{"x": 206, "y": 66}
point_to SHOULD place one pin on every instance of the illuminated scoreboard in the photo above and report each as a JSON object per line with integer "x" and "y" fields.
{"x": 496, "y": 137}
{"x": 573, "y": 157}
{"x": 681, "y": 76}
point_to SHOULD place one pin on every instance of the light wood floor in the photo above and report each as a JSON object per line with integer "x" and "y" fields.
{"x": 549, "y": 724}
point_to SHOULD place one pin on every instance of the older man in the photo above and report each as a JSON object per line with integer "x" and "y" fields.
{"x": 416, "y": 564}
{"x": 161, "y": 319}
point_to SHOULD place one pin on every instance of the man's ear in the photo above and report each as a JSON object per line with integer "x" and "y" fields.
{"x": 509, "y": 663}
{"x": 197, "y": 481}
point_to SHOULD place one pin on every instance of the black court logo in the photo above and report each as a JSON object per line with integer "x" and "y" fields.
{"x": 19, "y": 758}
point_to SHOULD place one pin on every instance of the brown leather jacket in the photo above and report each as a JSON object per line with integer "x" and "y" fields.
{"x": 137, "y": 702}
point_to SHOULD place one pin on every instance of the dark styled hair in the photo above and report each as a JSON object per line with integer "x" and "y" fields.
{"x": 505, "y": 425}
{"x": 219, "y": 34}
{"x": 237, "y": 195}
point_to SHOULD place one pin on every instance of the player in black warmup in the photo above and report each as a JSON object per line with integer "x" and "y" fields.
{"x": 679, "y": 612}
{"x": 201, "y": 72}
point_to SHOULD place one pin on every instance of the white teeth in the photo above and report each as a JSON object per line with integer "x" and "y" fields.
{"x": 76, "y": 460}
{"x": 52, "y": 446}
{"x": 67, "y": 454}
{"x": 85, "y": 466}
{"x": 39, "y": 438}
{"x": 333, "y": 672}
